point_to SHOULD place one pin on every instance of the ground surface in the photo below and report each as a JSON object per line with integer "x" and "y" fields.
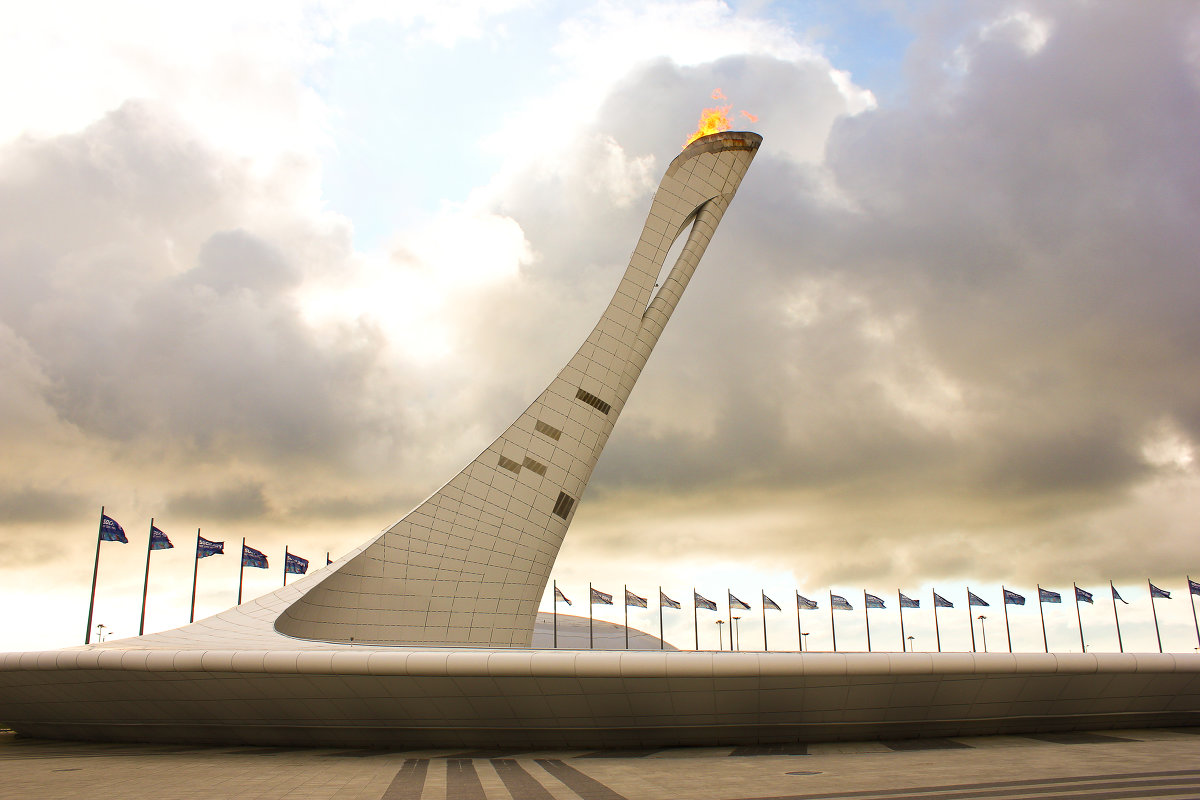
{"x": 1101, "y": 764}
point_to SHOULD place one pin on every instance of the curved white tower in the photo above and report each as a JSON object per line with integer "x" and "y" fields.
{"x": 469, "y": 565}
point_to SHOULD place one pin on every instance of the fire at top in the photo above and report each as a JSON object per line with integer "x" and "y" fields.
{"x": 716, "y": 119}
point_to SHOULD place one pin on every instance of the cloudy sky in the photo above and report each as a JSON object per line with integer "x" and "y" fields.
{"x": 278, "y": 270}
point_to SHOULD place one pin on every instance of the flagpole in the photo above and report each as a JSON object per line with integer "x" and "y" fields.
{"x": 1154, "y": 611}
{"x": 1116, "y": 619}
{"x": 87, "y": 634}
{"x": 1079, "y": 618}
{"x": 555, "y": 613}
{"x": 696, "y": 619}
{"x": 1192, "y": 598}
{"x": 1045, "y": 641}
{"x": 903, "y": 646}
{"x": 146, "y": 582}
{"x": 729, "y": 611}
{"x": 285, "y": 555}
{"x": 799, "y": 630}
{"x": 832, "y": 623}
{"x": 591, "y": 639}
{"x": 195, "y": 572}
{"x": 764, "y": 609}
{"x": 971, "y": 620}
{"x": 936, "y": 629}
{"x": 1007, "y": 630}
{"x": 241, "y": 569}
{"x": 661, "y": 645}
{"x": 867, "y": 616}
{"x": 627, "y": 616}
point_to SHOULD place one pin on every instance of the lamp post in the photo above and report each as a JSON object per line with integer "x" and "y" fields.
{"x": 720, "y": 634}
{"x": 737, "y": 644}
{"x": 910, "y": 643}
{"x": 983, "y": 630}
{"x": 100, "y": 632}
{"x": 804, "y": 641}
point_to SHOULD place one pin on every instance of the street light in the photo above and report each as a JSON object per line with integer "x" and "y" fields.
{"x": 100, "y": 632}
{"x": 910, "y": 643}
{"x": 983, "y": 628}
{"x": 804, "y": 641}
{"x": 720, "y": 637}
{"x": 736, "y": 639}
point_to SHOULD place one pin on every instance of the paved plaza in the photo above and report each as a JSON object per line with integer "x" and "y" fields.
{"x": 1101, "y": 764}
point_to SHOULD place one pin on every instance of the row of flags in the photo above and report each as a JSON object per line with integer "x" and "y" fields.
{"x": 871, "y": 601}
{"x": 112, "y": 531}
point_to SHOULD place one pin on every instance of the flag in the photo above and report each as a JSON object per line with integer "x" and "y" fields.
{"x": 941, "y": 602}
{"x": 632, "y": 599}
{"x": 771, "y": 604}
{"x": 735, "y": 603}
{"x": 975, "y": 600}
{"x": 804, "y": 602}
{"x": 1011, "y": 598}
{"x": 205, "y": 548}
{"x": 1047, "y": 596}
{"x": 295, "y": 564}
{"x": 159, "y": 540}
{"x": 666, "y": 602}
{"x": 111, "y": 530}
{"x": 840, "y": 603}
{"x": 253, "y": 558}
{"x": 558, "y": 595}
{"x": 908, "y": 602}
{"x": 1080, "y": 594}
{"x": 1117, "y": 596}
{"x": 1157, "y": 592}
{"x": 1193, "y": 587}
{"x": 873, "y": 601}
{"x": 703, "y": 602}
{"x": 602, "y": 598}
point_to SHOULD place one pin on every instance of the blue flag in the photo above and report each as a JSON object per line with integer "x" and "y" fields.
{"x": 771, "y": 604}
{"x": 804, "y": 602}
{"x": 603, "y": 598}
{"x": 735, "y": 603}
{"x": 111, "y": 530}
{"x": 908, "y": 602}
{"x": 1193, "y": 587}
{"x": 703, "y": 602}
{"x": 295, "y": 565}
{"x": 975, "y": 600}
{"x": 205, "y": 548}
{"x": 1085, "y": 596}
{"x": 632, "y": 599}
{"x": 1117, "y": 596}
{"x": 560, "y": 597}
{"x": 873, "y": 601}
{"x": 1011, "y": 598}
{"x": 1047, "y": 596}
{"x": 666, "y": 602}
{"x": 941, "y": 602}
{"x": 159, "y": 540}
{"x": 253, "y": 558}
{"x": 1157, "y": 592}
{"x": 840, "y": 603}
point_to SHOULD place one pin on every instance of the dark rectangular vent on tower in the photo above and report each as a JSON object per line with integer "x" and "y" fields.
{"x": 536, "y": 466}
{"x": 593, "y": 401}
{"x": 549, "y": 430}
{"x": 509, "y": 464}
{"x": 564, "y": 505}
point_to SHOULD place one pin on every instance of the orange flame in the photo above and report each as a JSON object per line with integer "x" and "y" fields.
{"x": 716, "y": 119}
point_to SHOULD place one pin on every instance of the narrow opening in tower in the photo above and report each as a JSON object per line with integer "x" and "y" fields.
{"x": 673, "y": 255}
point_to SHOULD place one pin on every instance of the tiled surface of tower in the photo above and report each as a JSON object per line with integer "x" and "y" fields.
{"x": 469, "y": 565}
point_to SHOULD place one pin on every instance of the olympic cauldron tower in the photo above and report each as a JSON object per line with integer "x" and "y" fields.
{"x": 469, "y": 565}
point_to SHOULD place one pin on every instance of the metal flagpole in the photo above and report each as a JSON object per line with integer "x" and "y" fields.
{"x": 764, "y": 609}
{"x": 971, "y": 620}
{"x": 832, "y": 623}
{"x": 729, "y": 611}
{"x": 903, "y": 646}
{"x": 799, "y": 630}
{"x": 1079, "y": 618}
{"x": 661, "y": 645}
{"x": 936, "y": 629}
{"x": 1192, "y": 597}
{"x": 555, "y": 614}
{"x": 285, "y": 555}
{"x": 87, "y": 634}
{"x": 1007, "y": 630}
{"x": 1154, "y": 611}
{"x": 696, "y": 619}
{"x": 146, "y": 582}
{"x": 195, "y": 572}
{"x": 627, "y": 616}
{"x": 1116, "y": 619}
{"x": 867, "y": 616}
{"x": 1042, "y": 614}
{"x": 591, "y": 640}
{"x": 241, "y": 569}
